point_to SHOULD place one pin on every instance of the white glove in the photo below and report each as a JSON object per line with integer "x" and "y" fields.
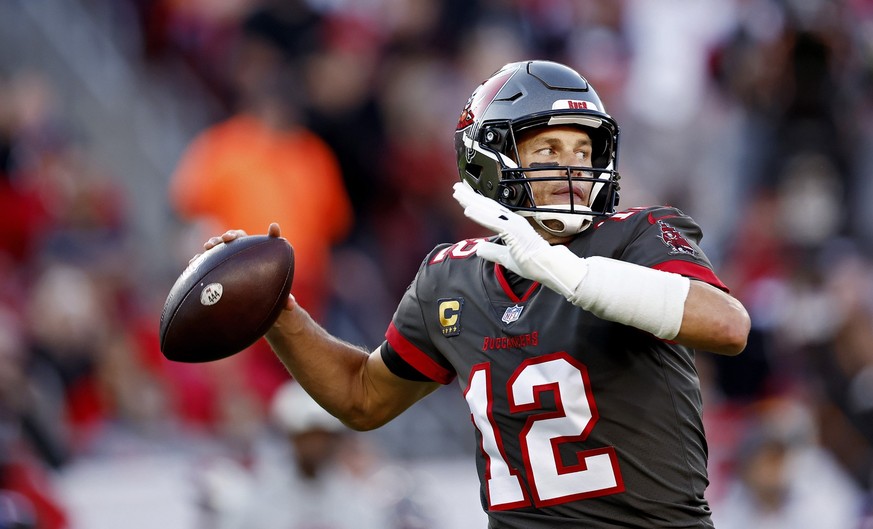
{"x": 526, "y": 253}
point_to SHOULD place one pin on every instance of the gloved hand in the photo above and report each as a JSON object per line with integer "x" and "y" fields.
{"x": 647, "y": 299}
{"x": 525, "y": 252}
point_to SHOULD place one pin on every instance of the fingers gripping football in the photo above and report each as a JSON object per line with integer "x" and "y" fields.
{"x": 227, "y": 298}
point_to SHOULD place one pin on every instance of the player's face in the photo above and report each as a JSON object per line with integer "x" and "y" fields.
{"x": 558, "y": 145}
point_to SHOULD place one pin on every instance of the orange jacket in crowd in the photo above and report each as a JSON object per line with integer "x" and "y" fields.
{"x": 244, "y": 175}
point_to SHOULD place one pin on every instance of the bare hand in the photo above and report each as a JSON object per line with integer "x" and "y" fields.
{"x": 229, "y": 235}
{"x": 224, "y": 237}
{"x": 275, "y": 231}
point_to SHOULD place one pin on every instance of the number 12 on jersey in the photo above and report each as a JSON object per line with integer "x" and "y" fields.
{"x": 549, "y": 480}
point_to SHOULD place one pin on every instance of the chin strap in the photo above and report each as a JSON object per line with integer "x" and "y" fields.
{"x": 571, "y": 223}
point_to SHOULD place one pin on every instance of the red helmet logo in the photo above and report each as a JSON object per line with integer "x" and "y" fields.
{"x": 482, "y": 97}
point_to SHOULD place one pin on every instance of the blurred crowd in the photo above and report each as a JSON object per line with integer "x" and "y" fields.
{"x": 336, "y": 118}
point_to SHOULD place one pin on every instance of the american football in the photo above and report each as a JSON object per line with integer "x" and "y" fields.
{"x": 226, "y": 299}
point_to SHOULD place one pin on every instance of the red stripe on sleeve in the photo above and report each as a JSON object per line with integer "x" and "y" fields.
{"x": 692, "y": 270}
{"x": 415, "y": 357}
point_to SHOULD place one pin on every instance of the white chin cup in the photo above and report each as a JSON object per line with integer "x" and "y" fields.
{"x": 571, "y": 223}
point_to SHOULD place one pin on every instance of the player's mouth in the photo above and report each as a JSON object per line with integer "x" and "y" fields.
{"x": 562, "y": 195}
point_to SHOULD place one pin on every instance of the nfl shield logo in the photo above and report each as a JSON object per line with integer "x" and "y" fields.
{"x": 511, "y": 314}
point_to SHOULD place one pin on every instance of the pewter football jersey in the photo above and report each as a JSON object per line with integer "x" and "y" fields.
{"x": 580, "y": 422}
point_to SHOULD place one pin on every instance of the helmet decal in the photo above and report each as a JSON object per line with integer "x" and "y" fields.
{"x": 482, "y": 97}
{"x": 574, "y": 104}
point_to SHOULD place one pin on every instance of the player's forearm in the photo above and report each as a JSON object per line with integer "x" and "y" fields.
{"x": 329, "y": 369}
{"x": 713, "y": 321}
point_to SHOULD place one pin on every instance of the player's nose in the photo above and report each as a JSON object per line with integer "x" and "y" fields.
{"x": 570, "y": 158}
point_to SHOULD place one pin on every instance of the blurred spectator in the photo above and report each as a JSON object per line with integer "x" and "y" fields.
{"x": 842, "y": 358}
{"x": 305, "y": 482}
{"x": 200, "y": 33}
{"x": 262, "y": 165}
{"x": 68, "y": 325}
{"x": 786, "y": 64}
{"x": 416, "y": 160}
{"x": 28, "y": 134}
{"x": 784, "y": 479}
{"x": 31, "y": 445}
{"x": 341, "y": 103}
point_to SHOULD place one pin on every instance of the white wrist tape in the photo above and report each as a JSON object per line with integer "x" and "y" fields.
{"x": 648, "y": 299}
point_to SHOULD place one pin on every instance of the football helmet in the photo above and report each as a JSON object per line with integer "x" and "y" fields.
{"x": 517, "y": 98}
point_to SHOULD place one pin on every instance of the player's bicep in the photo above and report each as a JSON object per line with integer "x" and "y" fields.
{"x": 387, "y": 394}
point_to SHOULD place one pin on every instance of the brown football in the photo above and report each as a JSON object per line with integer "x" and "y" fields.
{"x": 226, "y": 299}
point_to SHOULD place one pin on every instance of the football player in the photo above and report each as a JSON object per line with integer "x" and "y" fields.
{"x": 571, "y": 330}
